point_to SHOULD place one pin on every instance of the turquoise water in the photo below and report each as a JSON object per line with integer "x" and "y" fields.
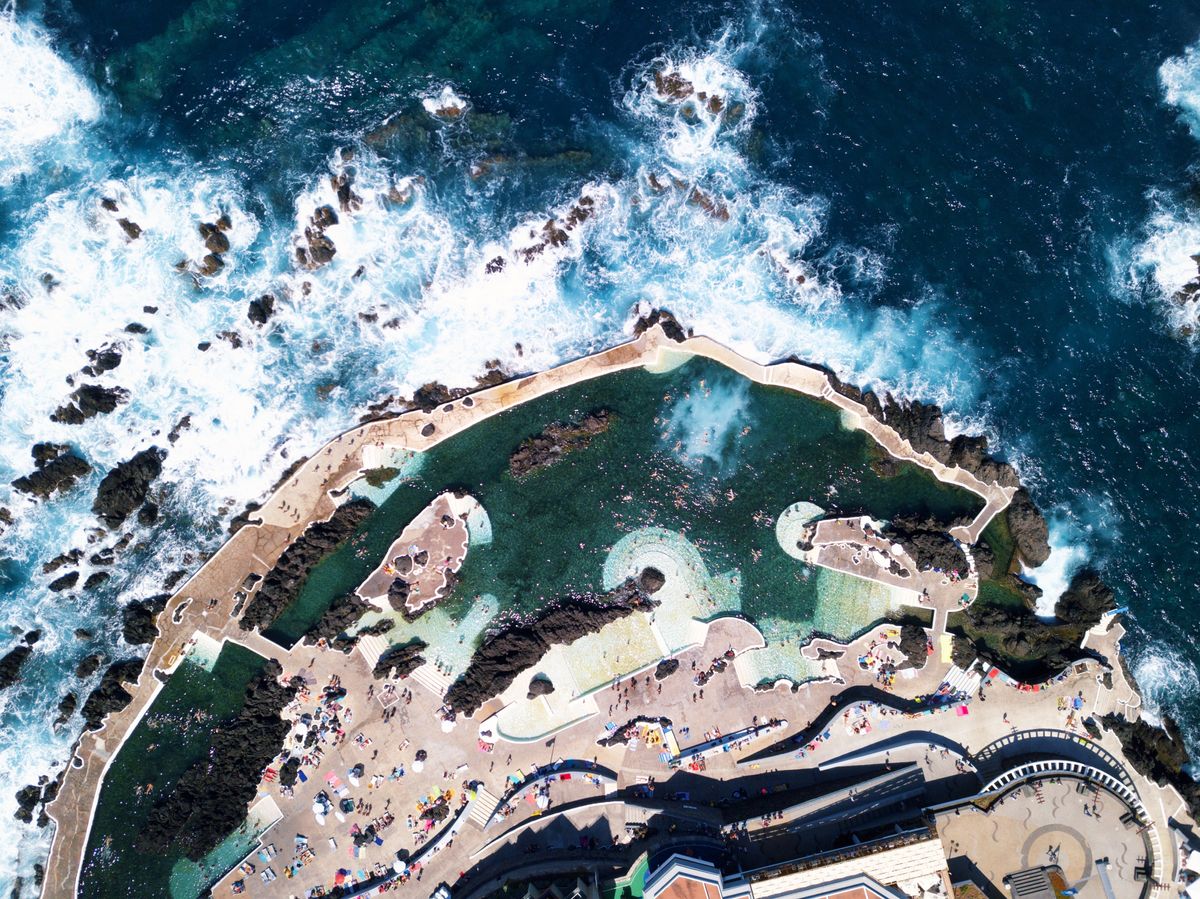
{"x": 990, "y": 204}
{"x": 175, "y": 732}
{"x": 698, "y": 450}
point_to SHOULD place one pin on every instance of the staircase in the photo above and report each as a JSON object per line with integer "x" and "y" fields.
{"x": 431, "y": 679}
{"x": 483, "y": 807}
{"x": 961, "y": 681}
{"x": 372, "y": 648}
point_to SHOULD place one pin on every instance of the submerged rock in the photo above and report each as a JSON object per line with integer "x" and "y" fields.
{"x": 556, "y": 441}
{"x": 124, "y": 489}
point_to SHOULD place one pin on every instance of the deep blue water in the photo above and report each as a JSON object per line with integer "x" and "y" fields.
{"x": 992, "y": 204}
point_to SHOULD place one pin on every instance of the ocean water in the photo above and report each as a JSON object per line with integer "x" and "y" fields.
{"x": 990, "y": 204}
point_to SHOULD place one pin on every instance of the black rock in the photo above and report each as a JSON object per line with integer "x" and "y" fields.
{"x": 670, "y": 325}
{"x": 1085, "y": 601}
{"x": 147, "y": 514}
{"x": 556, "y": 441}
{"x": 261, "y": 309}
{"x": 62, "y": 560}
{"x": 11, "y": 663}
{"x": 136, "y": 328}
{"x": 138, "y": 617}
{"x": 32, "y": 636}
{"x": 402, "y": 659}
{"x": 124, "y": 488}
{"x": 102, "y": 360}
{"x": 651, "y": 580}
{"x": 87, "y": 401}
{"x": 282, "y": 583}
{"x": 1029, "y": 530}
{"x": 66, "y": 582}
{"x": 90, "y": 664}
{"x": 341, "y": 615}
{"x": 53, "y": 474}
{"x": 132, "y": 229}
{"x": 95, "y": 579}
{"x": 1158, "y": 753}
{"x": 928, "y": 543}
{"x": 209, "y": 801}
{"x": 539, "y": 685}
{"x": 66, "y": 708}
{"x": 27, "y": 800}
{"x": 111, "y": 695}
{"x": 504, "y": 655}
{"x": 666, "y": 668}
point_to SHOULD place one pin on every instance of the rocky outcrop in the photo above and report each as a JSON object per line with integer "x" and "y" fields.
{"x": 914, "y": 643}
{"x": 666, "y": 668}
{"x": 282, "y": 584}
{"x": 318, "y": 249}
{"x": 651, "y": 580}
{"x": 57, "y": 468}
{"x": 539, "y": 685}
{"x": 209, "y": 801}
{"x": 928, "y": 542}
{"x": 1158, "y": 753}
{"x": 124, "y": 489}
{"x": 261, "y": 310}
{"x": 138, "y": 617}
{"x": 400, "y": 660}
{"x": 1085, "y": 601}
{"x": 518, "y": 647}
{"x": 90, "y": 664}
{"x": 1029, "y": 531}
{"x": 15, "y": 658}
{"x": 556, "y": 441}
{"x": 104, "y": 359}
{"x": 923, "y": 425}
{"x": 87, "y": 401}
{"x": 1027, "y": 647}
{"x": 341, "y": 615}
{"x": 111, "y": 695}
{"x": 670, "y": 325}
{"x": 66, "y": 582}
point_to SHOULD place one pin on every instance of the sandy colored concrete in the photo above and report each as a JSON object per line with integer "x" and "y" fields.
{"x": 204, "y": 604}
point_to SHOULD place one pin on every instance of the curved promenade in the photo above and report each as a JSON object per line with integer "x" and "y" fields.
{"x": 205, "y": 603}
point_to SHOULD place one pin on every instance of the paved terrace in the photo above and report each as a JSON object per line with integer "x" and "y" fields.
{"x": 206, "y": 601}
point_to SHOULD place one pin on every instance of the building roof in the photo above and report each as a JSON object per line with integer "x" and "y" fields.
{"x": 1032, "y": 883}
{"x": 901, "y": 864}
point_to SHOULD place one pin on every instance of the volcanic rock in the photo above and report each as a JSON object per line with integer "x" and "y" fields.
{"x": 111, "y": 695}
{"x": 556, "y": 441}
{"x": 651, "y": 580}
{"x": 132, "y": 229}
{"x": 11, "y": 663}
{"x": 1158, "y": 753}
{"x": 928, "y": 543}
{"x": 539, "y": 685}
{"x": 71, "y": 557}
{"x": 214, "y": 240}
{"x": 518, "y": 647}
{"x": 666, "y": 668}
{"x": 400, "y": 660}
{"x": 341, "y": 615}
{"x": 95, "y": 579}
{"x": 87, "y": 401}
{"x": 66, "y": 708}
{"x": 209, "y": 801}
{"x": 282, "y": 583}
{"x": 66, "y": 582}
{"x": 90, "y": 664}
{"x": 261, "y": 310}
{"x": 124, "y": 488}
{"x": 104, "y": 359}
{"x": 138, "y": 617}
{"x": 398, "y": 593}
{"x": 670, "y": 325}
{"x": 1028, "y": 528}
{"x": 57, "y": 469}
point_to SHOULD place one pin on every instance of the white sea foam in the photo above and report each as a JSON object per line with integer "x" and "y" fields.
{"x": 408, "y": 298}
{"x": 1165, "y": 677}
{"x": 43, "y": 96}
{"x": 445, "y": 103}
{"x": 1180, "y": 80}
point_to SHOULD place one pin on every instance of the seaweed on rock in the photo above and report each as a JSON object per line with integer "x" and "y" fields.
{"x": 283, "y": 583}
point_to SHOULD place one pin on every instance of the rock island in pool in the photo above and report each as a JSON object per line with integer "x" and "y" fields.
{"x": 657, "y": 620}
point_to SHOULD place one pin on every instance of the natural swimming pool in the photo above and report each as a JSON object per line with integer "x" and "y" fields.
{"x": 698, "y": 450}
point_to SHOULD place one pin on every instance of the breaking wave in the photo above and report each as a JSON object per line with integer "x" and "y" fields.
{"x": 417, "y": 290}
